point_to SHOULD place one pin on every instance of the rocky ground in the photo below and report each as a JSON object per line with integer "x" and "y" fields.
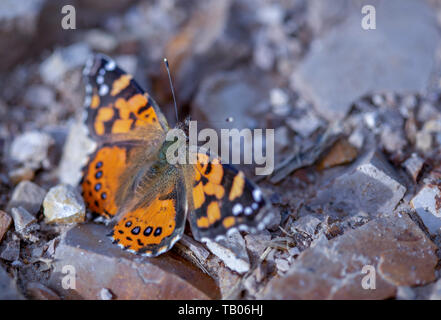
{"x": 357, "y": 119}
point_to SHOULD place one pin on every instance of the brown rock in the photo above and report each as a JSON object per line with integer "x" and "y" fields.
{"x": 5, "y": 223}
{"x": 400, "y": 252}
{"x": 37, "y": 291}
{"x": 342, "y": 152}
{"x": 100, "y": 264}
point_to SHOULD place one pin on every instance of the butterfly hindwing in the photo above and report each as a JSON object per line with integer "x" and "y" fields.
{"x": 154, "y": 228}
{"x": 223, "y": 200}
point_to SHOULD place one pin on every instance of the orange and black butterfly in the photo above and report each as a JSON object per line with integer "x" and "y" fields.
{"x": 128, "y": 179}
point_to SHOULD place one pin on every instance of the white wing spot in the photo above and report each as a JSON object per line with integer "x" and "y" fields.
{"x": 257, "y": 195}
{"x": 100, "y": 79}
{"x": 110, "y": 65}
{"x": 248, "y": 211}
{"x": 104, "y": 89}
{"x": 237, "y": 209}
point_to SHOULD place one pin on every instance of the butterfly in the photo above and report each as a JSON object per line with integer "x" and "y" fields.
{"x": 127, "y": 178}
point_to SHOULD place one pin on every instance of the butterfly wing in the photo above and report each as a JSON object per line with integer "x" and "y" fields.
{"x": 116, "y": 106}
{"x": 224, "y": 200}
{"x": 154, "y": 227}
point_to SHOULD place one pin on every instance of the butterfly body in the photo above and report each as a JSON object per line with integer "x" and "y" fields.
{"x": 129, "y": 179}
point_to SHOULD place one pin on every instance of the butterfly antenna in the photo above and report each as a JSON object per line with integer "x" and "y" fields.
{"x": 171, "y": 86}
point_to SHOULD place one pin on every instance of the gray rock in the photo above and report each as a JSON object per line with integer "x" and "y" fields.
{"x": 106, "y": 294}
{"x": 11, "y": 252}
{"x": 305, "y": 125}
{"x": 230, "y": 94}
{"x": 340, "y": 67}
{"x": 40, "y": 96}
{"x": 436, "y": 291}
{"x": 279, "y": 101}
{"x": 27, "y": 195}
{"x": 23, "y": 220}
{"x": 322, "y": 15}
{"x": 427, "y": 111}
{"x": 75, "y": 153}
{"x": 427, "y": 204}
{"x": 405, "y": 293}
{"x": 63, "y": 204}
{"x": 398, "y": 250}
{"x": 307, "y": 224}
{"x": 237, "y": 95}
{"x": 413, "y": 165}
{"x": 232, "y": 252}
{"x": 282, "y": 265}
{"x": 393, "y": 139}
{"x": 127, "y": 62}
{"x": 423, "y": 141}
{"x": 101, "y": 41}
{"x": 8, "y": 287}
{"x": 257, "y": 243}
{"x": 31, "y": 149}
{"x": 63, "y": 60}
{"x": 370, "y": 185}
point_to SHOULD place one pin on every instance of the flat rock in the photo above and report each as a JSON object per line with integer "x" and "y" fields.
{"x": 64, "y": 204}
{"x": 230, "y": 94}
{"x": 27, "y": 195}
{"x": 427, "y": 202}
{"x": 395, "y": 246}
{"x": 370, "y": 185}
{"x": 100, "y": 264}
{"x": 8, "y": 288}
{"x": 235, "y": 95}
{"x": 38, "y": 291}
{"x": 340, "y": 66}
{"x": 232, "y": 252}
